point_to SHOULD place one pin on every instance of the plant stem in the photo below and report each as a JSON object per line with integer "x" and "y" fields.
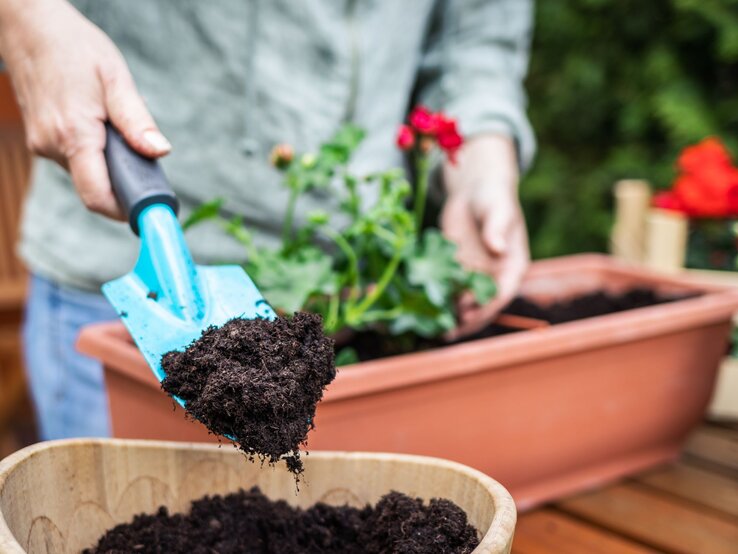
{"x": 353, "y": 314}
{"x": 331, "y": 323}
{"x": 385, "y": 234}
{"x": 349, "y": 252}
{"x": 354, "y": 199}
{"x": 243, "y": 238}
{"x": 289, "y": 216}
{"x": 379, "y": 315}
{"x": 421, "y": 189}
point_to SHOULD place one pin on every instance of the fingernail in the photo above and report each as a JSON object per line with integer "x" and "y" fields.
{"x": 157, "y": 141}
{"x": 498, "y": 245}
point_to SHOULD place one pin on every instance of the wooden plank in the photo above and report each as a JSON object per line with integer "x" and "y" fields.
{"x": 696, "y": 485}
{"x": 714, "y": 444}
{"x": 7, "y": 209}
{"x": 660, "y": 521}
{"x": 547, "y": 531}
{"x": 12, "y": 294}
{"x": 14, "y": 176}
{"x": 9, "y": 111}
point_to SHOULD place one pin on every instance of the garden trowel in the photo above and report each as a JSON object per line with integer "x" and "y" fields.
{"x": 167, "y": 301}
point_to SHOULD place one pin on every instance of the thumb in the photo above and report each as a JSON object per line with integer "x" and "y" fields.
{"x": 128, "y": 113}
{"x": 494, "y": 233}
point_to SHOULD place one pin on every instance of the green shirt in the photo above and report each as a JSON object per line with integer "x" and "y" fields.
{"x": 226, "y": 80}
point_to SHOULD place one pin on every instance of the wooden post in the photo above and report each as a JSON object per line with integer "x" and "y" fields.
{"x": 666, "y": 240}
{"x": 632, "y": 200}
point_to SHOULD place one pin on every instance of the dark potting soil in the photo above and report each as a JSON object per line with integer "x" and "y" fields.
{"x": 257, "y": 381}
{"x": 590, "y": 305}
{"x": 248, "y": 522}
{"x": 370, "y": 345}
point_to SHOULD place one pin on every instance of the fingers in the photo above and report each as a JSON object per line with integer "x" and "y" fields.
{"x": 90, "y": 175}
{"x": 496, "y": 227}
{"x": 128, "y": 113}
{"x": 460, "y": 227}
{"x": 509, "y": 270}
{"x": 473, "y": 318}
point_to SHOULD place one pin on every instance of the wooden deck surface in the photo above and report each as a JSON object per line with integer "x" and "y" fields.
{"x": 690, "y": 507}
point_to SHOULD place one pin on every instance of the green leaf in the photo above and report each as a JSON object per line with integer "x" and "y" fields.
{"x": 288, "y": 282}
{"x": 419, "y": 315}
{"x": 347, "y": 356}
{"x": 235, "y": 228}
{"x": 482, "y": 287}
{"x": 318, "y": 217}
{"x": 204, "y": 212}
{"x": 434, "y": 268}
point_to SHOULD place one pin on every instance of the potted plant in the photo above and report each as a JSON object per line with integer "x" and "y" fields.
{"x": 547, "y": 410}
{"x": 84, "y": 487}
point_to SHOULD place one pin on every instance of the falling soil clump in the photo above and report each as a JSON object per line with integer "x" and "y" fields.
{"x": 247, "y": 521}
{"x": 257, "y": 381}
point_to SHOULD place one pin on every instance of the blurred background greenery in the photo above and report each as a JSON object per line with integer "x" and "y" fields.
{"x": 617, "y": 88}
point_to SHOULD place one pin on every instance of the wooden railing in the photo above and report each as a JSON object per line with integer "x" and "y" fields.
{"x": 15, "y": 163}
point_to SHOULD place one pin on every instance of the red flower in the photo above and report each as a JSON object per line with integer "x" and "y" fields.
{"x": 707, "y": 185}
{"x": 429, "y": 128}
{"x": 449, "y": 138}
{"x": 708, "y": 153}
{"x": 423, "y": 121}
{"x": 405, "y": 138}
{"x": 667, "y": 200}
{"x": 713, "y": 192}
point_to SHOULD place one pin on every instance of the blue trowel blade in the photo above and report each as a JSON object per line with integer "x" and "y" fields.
{"x": 167, "y": 301}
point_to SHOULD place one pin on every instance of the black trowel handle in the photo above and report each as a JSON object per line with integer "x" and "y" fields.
{"x": 138, "y": 182}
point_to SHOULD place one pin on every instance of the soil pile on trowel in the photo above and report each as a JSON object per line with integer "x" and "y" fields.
{"x": 257, "y": 381}
{"x": 251, "y": 522}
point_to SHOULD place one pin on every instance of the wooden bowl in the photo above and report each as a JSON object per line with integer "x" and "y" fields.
{"x": 61, "y": 496}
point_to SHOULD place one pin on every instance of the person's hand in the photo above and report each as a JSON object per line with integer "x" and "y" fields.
{"x": 482, "y": 215}
{"x": 69, "y": 79}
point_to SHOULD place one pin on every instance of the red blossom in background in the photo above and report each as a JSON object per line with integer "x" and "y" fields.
{"x": 708, "y": 153}
{"x": 667, "y": 200}
{"x": 405, "y": 138}
{"x": 707, "y": 185}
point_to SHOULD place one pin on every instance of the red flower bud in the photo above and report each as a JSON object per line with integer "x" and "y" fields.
{"x": 405, "y": 138}
{"x": 281, "y": 156}
{"x": 426, "y": 144}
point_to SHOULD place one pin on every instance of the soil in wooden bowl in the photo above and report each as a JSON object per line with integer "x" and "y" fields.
{"x": 371, "y": 345}
{"x": 248, "y": 522}
{"x": 257, "y": 381}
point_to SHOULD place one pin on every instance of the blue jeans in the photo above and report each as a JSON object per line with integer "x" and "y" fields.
{"x": 67, "y": 387}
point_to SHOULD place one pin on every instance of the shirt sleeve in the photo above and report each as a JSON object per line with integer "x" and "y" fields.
{"x": 474, "y": 64}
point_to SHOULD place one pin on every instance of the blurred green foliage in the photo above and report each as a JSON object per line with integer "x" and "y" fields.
{"x": 617, "y": 88}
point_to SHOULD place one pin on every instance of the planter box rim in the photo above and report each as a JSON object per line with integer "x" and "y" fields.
{"x": 716, "y": 303}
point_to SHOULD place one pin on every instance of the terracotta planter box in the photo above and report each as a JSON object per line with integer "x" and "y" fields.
{"x": 546, "y": 412}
